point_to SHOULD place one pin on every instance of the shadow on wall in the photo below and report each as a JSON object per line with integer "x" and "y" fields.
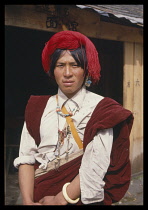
{"x": 137, "y": 164}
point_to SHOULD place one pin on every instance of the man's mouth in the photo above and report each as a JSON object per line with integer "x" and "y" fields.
{"x": 68, "y": 82}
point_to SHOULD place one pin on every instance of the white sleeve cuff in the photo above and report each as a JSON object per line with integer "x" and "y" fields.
{"x": 91, "y": 192}
{"x": 24, "y": 160}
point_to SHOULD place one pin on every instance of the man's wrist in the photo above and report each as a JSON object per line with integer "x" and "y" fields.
{"x": 61, "y": 198}
{"x": 27, "y": 202}
{"x": 64, "y": 191}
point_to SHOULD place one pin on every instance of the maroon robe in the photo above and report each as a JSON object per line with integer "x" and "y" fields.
{"x": 107, "y": 114}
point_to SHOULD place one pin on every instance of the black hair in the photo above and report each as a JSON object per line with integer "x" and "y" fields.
{"x": 78, "y": 54}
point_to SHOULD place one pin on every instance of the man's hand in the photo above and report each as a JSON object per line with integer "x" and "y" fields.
{"x": 32, "y": 203}
{"x": 53, "y": 200}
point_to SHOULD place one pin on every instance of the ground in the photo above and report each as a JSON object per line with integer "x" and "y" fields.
{"x": 134, "y": 195}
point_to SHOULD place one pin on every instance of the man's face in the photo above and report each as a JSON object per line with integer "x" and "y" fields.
{"x": 68, "y": 75}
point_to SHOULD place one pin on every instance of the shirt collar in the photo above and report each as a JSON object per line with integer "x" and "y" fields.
{"x": 78, "y": 98}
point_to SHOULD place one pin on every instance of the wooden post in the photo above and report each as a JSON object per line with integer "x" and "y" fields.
{"x": 133, "y": 99}
{"x": 138, "y": 109}
{"x": 128, "y": 76}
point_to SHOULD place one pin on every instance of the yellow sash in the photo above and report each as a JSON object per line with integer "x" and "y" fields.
{"x": 73, "y": 129}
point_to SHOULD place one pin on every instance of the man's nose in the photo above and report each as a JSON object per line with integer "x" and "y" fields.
{"x": 67, "y": 71}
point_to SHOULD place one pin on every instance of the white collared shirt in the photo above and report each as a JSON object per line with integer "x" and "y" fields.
{"x": 96, "y": 158}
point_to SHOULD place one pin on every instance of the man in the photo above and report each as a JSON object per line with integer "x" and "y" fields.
{"x": 75, "y": 145}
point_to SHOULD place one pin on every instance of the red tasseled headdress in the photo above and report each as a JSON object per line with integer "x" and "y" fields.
{"x": 71, "y": 40}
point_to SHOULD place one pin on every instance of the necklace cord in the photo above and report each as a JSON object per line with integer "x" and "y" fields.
{"x": 72, "y": 126}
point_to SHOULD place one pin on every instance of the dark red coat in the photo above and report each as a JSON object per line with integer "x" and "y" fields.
{"x": 107, "y": 114}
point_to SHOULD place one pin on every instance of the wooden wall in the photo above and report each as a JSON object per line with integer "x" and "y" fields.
{"x": 88, "y": 22}
{"x": 133, "y": 99}
{"x": 70, "y": 17}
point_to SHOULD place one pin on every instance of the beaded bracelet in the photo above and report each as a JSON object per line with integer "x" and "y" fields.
{"x": 69, "y": 200}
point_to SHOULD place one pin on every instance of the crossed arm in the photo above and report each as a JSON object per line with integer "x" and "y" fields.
{"x": 26, "y": 182}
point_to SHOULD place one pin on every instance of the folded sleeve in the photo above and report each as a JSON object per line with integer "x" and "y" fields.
{"x": 95, "y": 162}
{"x": 27, "y": 149}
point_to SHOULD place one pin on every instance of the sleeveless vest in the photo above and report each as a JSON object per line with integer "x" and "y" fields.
{"x": 107, "y": 114}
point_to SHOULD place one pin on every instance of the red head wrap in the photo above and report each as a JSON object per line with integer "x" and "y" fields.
{"x": 71, "y": 40}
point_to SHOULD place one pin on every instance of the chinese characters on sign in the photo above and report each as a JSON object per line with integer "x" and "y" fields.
{"x": 137, "y": 83}
{"x": 52, "y": 22}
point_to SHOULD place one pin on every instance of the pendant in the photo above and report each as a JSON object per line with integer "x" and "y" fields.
{"x": 59, "y": 112}
{"x": 57, "y": 163}
{"x": 66, "y": 157}
{"x": 61, "y": 138}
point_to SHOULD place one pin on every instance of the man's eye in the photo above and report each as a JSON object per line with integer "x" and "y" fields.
{"x": 59, "y": 65}
{"x": 75, "y": 65}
